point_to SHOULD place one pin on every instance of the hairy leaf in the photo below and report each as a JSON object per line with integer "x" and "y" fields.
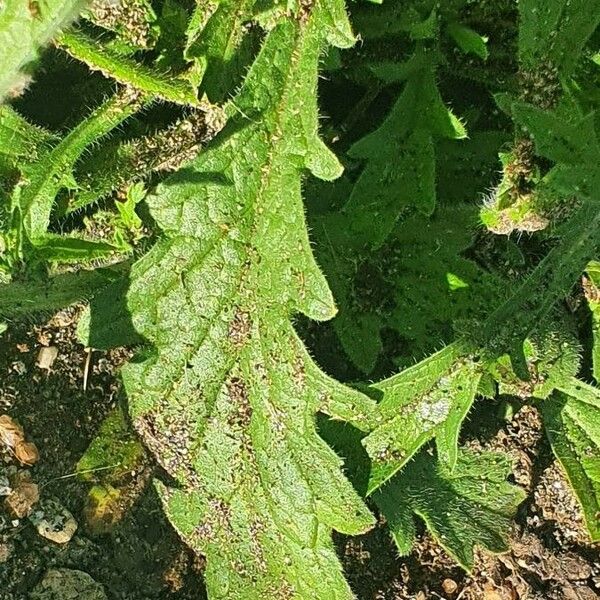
{"x": 572, "y": 422}
{"x": 20, "y": 298}
{"x": 25, "y": 27}
{"x": 404, "y": 140}
{"x": 555, "y": 31}
{"x": 552, "y": 279}
{"x": 226, "y": 396}
{"x": 35, "y": 195}
{"x": 592, "y": 292}
{"x": 126, "y": 71}
{"x": 417, "y": 284}
{"x": 551, "y": 354}
{"x": 430, "y": 399}
{"x": 472, "y": 505}
{"x": 224, "y": 47}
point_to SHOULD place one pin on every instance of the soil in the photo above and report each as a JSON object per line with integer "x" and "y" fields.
{"x": 142, "y": 557}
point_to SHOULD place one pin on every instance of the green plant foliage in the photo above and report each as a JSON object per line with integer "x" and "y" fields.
{"x": 44, "y": 179}
{"x": 572, "y": 421}
{"x": 223, "y": 48}
{"x": 405, "y": 139}
{"x": 25, "y": 27}
{"x": 555, "y": 31}
{"x": 430, "y": 399}
{"x": 417, "y": 284}
{"x": 127, "y": 71}
{"x": 592, "y": 292}
{"x": 260, "y": 491}
{"x": 51, "y": 293}
{"x": 473, "y": 505}
{"x": 552, "y": 355}
{"x": 113, "y": 453}
{"x": 171, "y": 164}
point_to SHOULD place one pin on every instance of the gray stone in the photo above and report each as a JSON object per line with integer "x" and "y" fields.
{"x": 67, "y": 584}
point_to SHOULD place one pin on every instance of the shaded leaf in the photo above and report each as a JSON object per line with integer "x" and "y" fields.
{"x": 472, "y": 505}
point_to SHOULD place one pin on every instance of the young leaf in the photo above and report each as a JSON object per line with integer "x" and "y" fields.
{"x": 572, "y": 422}
{"x": 472, "y": 505}
{"x": 469, "y": 41}
{"x": 405, "y": 140}
{"x": 36, "y": 194}
{"x": 226, "y": 397}
{"x": 25, "y": 27}
{"x": 430, "y": 399}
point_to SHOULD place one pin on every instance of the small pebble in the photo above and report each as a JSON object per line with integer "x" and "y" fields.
{"x": 46, "y": 357}
{"x": 450, "y": 586}
{"x": 68, "y": 584}
{"x": 54, "y": 522}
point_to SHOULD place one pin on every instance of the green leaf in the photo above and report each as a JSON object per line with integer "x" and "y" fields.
{"x": 417, "y": 284}
{"x": 62, "y": 249}
{"x": 472, "y": 505}
{"x": 20, "y": 141}
{"x": 20, "y": 298}
{"x": 399, "y": 171}
{"x": 25, "y": 27}
{"x": 469, "y": 41}
{"x": 552, "y": 280}
{"x": 427, "y": 400}
{"x": 572, "y": 423}
{"x": 113, "y": 454}
{"x": 126, "y": 71}
{"x": 133, "y": 21}
{"x": 223, "y": 48}
{"x": 552, "y": 356}
{"x": 35, "y": 195}
{"x": 555, "y": 31}
{"x": 113, "y": 166}
{"x": 226, "y": 395}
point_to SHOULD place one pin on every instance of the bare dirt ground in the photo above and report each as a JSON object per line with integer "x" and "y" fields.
{"x": 142, "y": 558}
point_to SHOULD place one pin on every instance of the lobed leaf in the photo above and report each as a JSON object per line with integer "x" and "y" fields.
{"x": 405, "y": 140}
{"x": 430, "y": 399}
{"x": 555, "y": 31}
{"x": 473, "y": 504}
{"x": 226, "y": 395}
{"x": 35, "y": 195}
